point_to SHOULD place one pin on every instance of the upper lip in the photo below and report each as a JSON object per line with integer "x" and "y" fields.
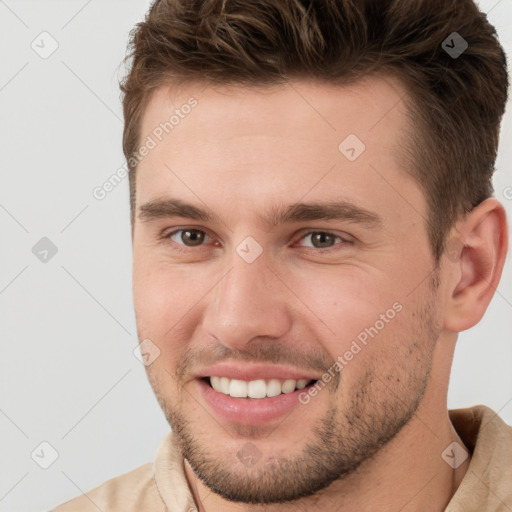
{"x": 249, "y": 372}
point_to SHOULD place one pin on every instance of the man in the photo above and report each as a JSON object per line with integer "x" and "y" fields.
{"x": 313, "y": 225}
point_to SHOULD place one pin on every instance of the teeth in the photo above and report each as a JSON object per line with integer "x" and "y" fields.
{"x": 238, "y": 388}
{"x": 273, "y": 387}
{"x": 224, "y": 385}
{"x": 215, "y": 382}
{"x": 288, "y": 385}
{"x": 256, "y": 388}
{"x": 302, "y": 383}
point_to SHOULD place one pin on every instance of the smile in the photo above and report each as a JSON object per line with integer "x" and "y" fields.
{"x": 259, "y": 388}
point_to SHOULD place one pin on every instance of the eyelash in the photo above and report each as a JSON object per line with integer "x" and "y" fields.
{"x": 166, "y": 237}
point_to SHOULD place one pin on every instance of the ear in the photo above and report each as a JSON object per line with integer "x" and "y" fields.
{"x": 481, "y": 240}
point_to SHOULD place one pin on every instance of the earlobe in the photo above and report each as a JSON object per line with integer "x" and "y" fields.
{"x": 483, "y": 243}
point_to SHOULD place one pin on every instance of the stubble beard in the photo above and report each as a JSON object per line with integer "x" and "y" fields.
{"x": 379, "y": 406}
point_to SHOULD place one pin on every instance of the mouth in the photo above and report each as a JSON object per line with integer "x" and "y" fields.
{"x": 254, "y": 394}
{"x": 253, "y": 402}
{"x": 256, "y": 389}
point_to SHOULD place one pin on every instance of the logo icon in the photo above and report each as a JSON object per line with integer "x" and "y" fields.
{"x": 147, "y": 352}
{"x": 454, "y": 455}
{"x": 44, "y": 250}
{"x": 249, "y": 250}
{"x": 44, "y": 455}
{"x": 44, "y": 45}
{"x": 454, "y": 45}
{"x": 249, "y": 455}
{"x": 351, "y": 147}
{"x": 454, "y": 248}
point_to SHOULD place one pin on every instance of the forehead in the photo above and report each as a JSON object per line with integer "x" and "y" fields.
{"x": 272, "y": 142}
{"x": 357, "y": 108}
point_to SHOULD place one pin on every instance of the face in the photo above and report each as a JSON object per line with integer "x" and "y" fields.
{"x": 283, "y": 278}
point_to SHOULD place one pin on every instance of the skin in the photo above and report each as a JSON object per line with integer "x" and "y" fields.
{"x": 372, "y": 438}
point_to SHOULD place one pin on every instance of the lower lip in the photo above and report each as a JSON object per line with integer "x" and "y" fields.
{"x": 250, "y": 411}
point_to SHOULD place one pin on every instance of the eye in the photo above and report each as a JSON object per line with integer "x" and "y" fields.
{"x": 323, "y": 239}
{"x": 187, "y": 237}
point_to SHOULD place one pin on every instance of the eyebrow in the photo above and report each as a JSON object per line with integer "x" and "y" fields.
{"x": 295, "y": 212}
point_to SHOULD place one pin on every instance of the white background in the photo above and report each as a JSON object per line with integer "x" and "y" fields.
{"x": 68, "y": 373}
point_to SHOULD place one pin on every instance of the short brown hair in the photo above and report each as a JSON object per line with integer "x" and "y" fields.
{"x": 455, "y": 103}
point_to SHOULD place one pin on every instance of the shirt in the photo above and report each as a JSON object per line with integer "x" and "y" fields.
{"x": 161, "y": 486}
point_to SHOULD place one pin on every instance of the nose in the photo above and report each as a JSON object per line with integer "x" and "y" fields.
{"x": 249, "y": 302}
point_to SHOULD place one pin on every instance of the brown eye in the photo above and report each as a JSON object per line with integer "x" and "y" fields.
{"x": 321, "y": 239}
{"x": 188, "y": 237}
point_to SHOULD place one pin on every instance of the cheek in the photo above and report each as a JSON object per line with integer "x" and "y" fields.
{"x": 168, "y": 303}
{"x": 377, "y": 319}
{"x": 348, "y": 300}
{"x": 384, "y": 360}
{"x": 164, "y": 294}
